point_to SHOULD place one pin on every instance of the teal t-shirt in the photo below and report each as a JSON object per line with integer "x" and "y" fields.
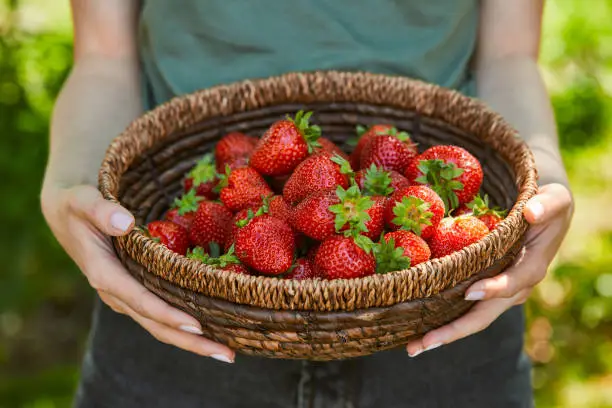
{"x": 194, "y": 44}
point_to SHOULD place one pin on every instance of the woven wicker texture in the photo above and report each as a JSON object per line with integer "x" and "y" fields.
{"x": 314, "y": 319}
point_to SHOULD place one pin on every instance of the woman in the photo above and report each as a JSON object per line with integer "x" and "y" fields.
{"x": 130, "y": 57}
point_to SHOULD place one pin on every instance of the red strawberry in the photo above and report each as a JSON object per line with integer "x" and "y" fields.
{"x": 227, "y": 262}
{"x": 317, "y": 173}
{"x": 376, "y": 181}
{"x": 234, "y": 149}
{"x": 450, "y": 171}
{"x": 414, "y": 247}
{"x": 184, "y": 209}
{"x": 454, "y": 234}
{"x": 210, "y": 224}
{"x": 365, "y": 135}
{"x": 323, "y": 214}
{"x": 203, "y": 178}
{"x": 172, "y": 235}
{"x": 481, "y": 209}
{"x": 279, "y": 208}
{"x": 416, "y": 208}
{"x": 243, "y": 188}
{"x": 243, "y": 214}
{"x": 302, "y": 269}
{"x": 266, "y": 244}
{"x": 285, "y": 144}
{"x": 313, "y": 217}
{"x": 391, "y": 151}
{"x": 340, "y": 257}
{"x": 331, "y": 148}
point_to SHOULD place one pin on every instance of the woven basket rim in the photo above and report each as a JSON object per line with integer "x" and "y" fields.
{"x": 181, "y": 112}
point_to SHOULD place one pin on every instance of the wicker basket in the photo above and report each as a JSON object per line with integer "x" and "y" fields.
{"x": 316, "y": 319}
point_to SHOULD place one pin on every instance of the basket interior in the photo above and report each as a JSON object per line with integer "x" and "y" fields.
{"x": 154, "y": 179}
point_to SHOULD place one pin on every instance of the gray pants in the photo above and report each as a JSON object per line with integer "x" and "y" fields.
{"x": 126, "y": 367}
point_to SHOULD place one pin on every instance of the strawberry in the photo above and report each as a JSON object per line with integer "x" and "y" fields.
{"x": 453, "y": 234}
{"x": 210, "y": 224}
{"x": 317, "y": 173}
{"x": 227, "y": 262}
{"x": 234, "y": 150}
{"x": 302, "y": 269}
{"x": 266, "y": 244}
{"x": 172, "y": 235}
{"x": 325, "y": 213}
{"x": 184, "y": 209}
{"x": 330, "y": 147}
{"x": 416, "y": 208}
{"x": 365, "y": 135}
{"x": 481, "y": 209}
{"x": 203, "y": 178}
{"x": 243, "y": 188}
{"x": 376, "y": 181}
{"x": 413, "y": 246}
{"x": 340, "y": 257}
{"x": 279, "y": 208}
{"x": 450, "y": 171}
{"x": 285, "y": 144}
{"x": 393, "y": 150}
{"x": 241, "y": 215}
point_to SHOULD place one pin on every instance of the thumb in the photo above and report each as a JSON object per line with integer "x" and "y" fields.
{"x": 108, "y": 217}
{"x": 552, "y": 200}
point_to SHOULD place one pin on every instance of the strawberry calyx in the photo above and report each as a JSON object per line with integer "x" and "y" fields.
{"x": 345, "y": 167}
{"x": 401, "y": 135}
{"x": 389, "y": 258}
{"x": 480, "y": 206}
{"x": 412, "y": 213}
{"x": 214, "y": 258}
{"x": 263, "y": 209}
{"x": 442, "y": 178}
{"x": 377, "y": 182}
{"x": 351, "y": 211}
{"x": 311, "y": 133}
{"x": 187, "y": 203}
{"x": 223, "y": 179}
{"x": 204, "y": 171}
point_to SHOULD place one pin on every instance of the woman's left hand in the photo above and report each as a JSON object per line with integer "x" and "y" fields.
{"x": 549, "y": 213}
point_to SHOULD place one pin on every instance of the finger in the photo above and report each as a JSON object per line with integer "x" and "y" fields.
{"x": 190, "y": 342}
{"x": 106, "y": 274}
{"x": 477, "y": 319}
{"x": 529, "y": 269}
{"x": 115, "y": 304}
{"x": 108, "y": 217}
{"x": 552, "y": 200}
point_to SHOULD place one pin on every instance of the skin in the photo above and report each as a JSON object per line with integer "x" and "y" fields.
{"x": 508, "y": 80}
{"x": 102, "y": 95}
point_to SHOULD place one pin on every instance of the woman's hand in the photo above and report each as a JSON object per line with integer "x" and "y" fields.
{"x": 82, "y": 221}
{"x": 549, "y": 214}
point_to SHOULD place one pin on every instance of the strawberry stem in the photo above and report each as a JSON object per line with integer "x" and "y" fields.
{"x": 351, "y": 211}
{"x": 412, "y": 213}
{"x": 377, "y": 181}
{"x": 442, "y": 178}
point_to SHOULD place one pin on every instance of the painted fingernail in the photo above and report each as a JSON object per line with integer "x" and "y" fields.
{"x": 537, "y": 209}
{"x": 416, "y": 353}
{"x": 121, "y": 221}
{"x": 191, "y": 329}
{"x": 476, "y": 295}
{"x": 222, "y": 357}
{"x": 433, "y": 346}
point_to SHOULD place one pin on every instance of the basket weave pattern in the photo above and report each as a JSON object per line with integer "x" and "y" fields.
{"x": 314, "y": 319}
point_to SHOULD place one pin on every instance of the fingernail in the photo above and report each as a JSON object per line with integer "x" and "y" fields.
{"x": 476, "y": 295}
{"x": 433, "y": 346}
{"x": 121, "y": 221}
{"x": 537, "y": 209}
{"x": 222, "y": 357}
{"x": 191, "y": 329}
{"x": 416, "y": 353}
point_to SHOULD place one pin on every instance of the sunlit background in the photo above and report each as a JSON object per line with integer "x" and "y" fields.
{"x": 45, "y": 303}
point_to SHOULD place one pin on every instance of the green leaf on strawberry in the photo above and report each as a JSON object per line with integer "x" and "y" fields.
{"x": 442, "y": 178}
{"x": 310, "y": 132}
{"x": 188, "y": 202}
{"x": 377, "y": 182}
{"x": 352, "y": 210}
{"x": 204, "y": 170}
{"x": 480, "y": 206}
{"x": 412, "y": 213}
{"x": 389, "y": 258}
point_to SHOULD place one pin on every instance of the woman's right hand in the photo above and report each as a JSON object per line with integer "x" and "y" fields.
{"x": 82, "y": 221}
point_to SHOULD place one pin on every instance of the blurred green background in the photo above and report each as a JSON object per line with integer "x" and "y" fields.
{"x": 45, "y": 303}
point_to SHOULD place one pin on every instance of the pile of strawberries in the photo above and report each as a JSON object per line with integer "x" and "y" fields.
{"x": 292, "y": 204}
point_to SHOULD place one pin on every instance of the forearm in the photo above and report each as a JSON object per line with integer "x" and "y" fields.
{"x": 99, "y": 99}
{"x": 513, "y": 87}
